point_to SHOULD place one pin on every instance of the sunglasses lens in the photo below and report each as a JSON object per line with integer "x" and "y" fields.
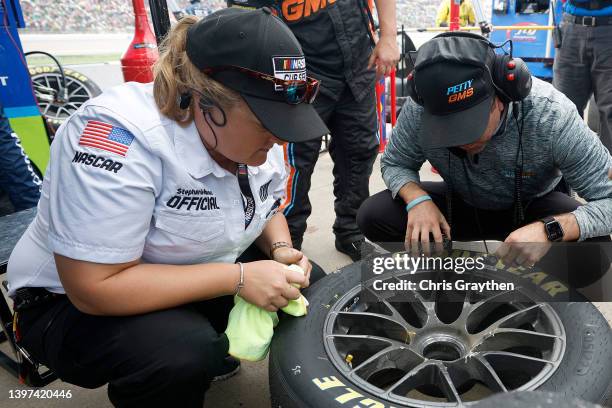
{"x": 302, "y": 92}
{"x": 295, "y": 93}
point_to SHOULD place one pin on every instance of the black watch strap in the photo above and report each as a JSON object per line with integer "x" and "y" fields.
{"x": 548, "y": 219}
{"x": 554, "y": 231}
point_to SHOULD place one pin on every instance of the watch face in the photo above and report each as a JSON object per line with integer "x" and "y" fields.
{"x": 554, "y": 231}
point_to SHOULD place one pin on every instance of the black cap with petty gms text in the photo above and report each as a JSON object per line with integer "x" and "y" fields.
{"x": 454, "y": 82}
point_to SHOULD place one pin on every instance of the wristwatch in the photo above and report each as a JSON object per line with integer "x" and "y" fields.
{"x": 553, "y": 229}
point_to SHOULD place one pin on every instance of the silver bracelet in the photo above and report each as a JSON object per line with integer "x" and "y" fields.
{"x": 241, "y": 281}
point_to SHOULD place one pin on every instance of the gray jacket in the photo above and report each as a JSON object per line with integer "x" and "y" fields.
{"x": 556, "y": 142}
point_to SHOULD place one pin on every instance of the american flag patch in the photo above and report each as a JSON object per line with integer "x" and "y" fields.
{"x": 106, "y": 137}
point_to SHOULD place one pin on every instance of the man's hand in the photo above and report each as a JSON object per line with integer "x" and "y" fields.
{"x": 289, "y": 256}
{"x": 385, "y": 56}
{"x": 610, "y": 174}
{"x": 525, "y": 246}
{"x": 423, "y": 219}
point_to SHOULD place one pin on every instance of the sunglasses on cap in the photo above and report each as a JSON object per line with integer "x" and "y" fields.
{"x": 296, "y": 92}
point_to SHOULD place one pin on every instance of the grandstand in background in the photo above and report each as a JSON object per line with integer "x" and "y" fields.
{"x": 90, "y": 16}
{"x": 115, "y": 16}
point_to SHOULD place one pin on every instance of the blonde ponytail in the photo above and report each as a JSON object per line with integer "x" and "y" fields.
{"x": 175, "y": 75}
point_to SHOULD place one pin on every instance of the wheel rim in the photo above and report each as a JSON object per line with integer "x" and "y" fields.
{"x": 417, "y": 354}
{"x": 78, "y": 94}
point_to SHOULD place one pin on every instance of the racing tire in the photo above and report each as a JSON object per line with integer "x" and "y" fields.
{"x": 405, "y": 65}
{"x": 305, "y": 371}
{"x": 531, "y": 399}
{"x": 46, "y": 81}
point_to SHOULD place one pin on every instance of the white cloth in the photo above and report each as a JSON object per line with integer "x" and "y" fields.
{"x": 167, "y": 201}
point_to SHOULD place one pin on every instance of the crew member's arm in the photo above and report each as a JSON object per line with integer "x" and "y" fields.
{"x": 386, "y": 53}
{"x": 400, "y": 165}
{"x": 584, "y": 162}
{"x": 277, "y": 232}
{"x": 403, "y": 156}
{"x": 275, "y": 239}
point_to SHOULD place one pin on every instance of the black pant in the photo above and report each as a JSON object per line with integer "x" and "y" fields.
{"x": 165, "y": 358}
{"x": 583, "y": 66}
{"x": 17, "y": 177}
{"x": 353, "y": 148}
{"x": 383, "y": 220}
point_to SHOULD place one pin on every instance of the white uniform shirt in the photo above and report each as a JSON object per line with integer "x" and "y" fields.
{"x": 125, "y": 182}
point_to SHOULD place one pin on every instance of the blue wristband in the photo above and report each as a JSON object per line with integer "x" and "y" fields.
{"x": 416, "y": 202}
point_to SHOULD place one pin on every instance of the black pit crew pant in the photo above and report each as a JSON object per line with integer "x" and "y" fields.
{"x": 17, "y": 176}
{"x": 165, "y": 358}
{"x": 353, "y": 149}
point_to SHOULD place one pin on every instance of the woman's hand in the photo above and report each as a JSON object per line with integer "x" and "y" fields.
{"x": 423, "y": 219}
{"x": 267, "y": 284}
{"x": 289, "y": 256}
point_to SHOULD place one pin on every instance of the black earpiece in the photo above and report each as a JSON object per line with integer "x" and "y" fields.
{"x": 511, "y": 78}
{"x": 184, "y": 100}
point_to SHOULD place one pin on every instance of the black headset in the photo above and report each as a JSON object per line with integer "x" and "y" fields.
{"x": 510, "y": 76}
{"x": 184, "y": 100}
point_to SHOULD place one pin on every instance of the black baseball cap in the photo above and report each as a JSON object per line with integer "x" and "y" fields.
{"x": 452, "y": 78}
{"x": 258, "y": 41}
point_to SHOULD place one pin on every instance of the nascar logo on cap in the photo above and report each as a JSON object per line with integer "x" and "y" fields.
{"x": 459, "y": 92}
{"x": 289, "y": 69}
